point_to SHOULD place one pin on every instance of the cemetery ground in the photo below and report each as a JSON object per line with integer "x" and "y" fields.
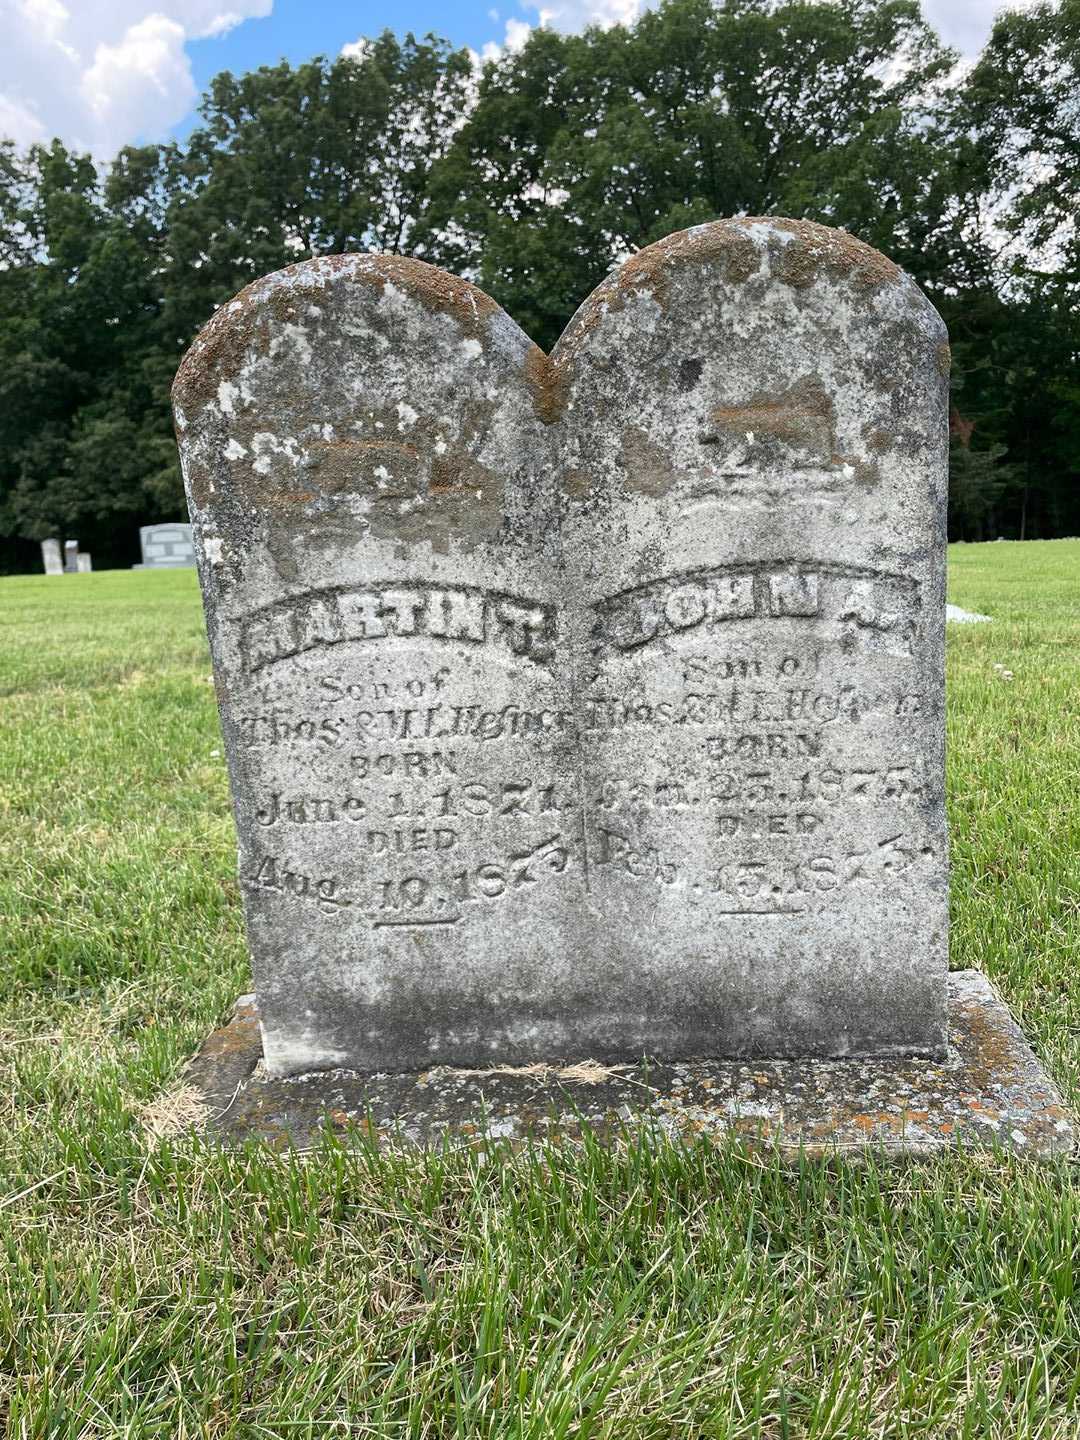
{"x": 151, "y": 1284}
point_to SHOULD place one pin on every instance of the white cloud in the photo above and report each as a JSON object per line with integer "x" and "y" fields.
{"x": 17, "y": 122}
{"x": 517, "y": 33}
{"x": 966, "y": 24}
{"x": 576, "y": 14}
{"x": 356, "y": 49}
{"x": 101, "y": 75}
{"x": 143, "y": 84}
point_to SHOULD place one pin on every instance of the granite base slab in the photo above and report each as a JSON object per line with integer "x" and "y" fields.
{"x": 989, "y": 1091}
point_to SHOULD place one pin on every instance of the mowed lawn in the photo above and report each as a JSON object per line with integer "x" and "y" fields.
{"x": 158, "y": 1287}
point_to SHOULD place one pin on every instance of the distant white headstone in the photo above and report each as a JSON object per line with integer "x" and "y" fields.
{"x": 166, "y": 547}
{"x": 71, "y": 557}
{"x": 955, "y": 616}
{"x": 50, "y": 554}
{"x": 84, "y": 563}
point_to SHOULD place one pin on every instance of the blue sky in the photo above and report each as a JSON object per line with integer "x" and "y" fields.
{"x": 298, "y": 29}
{"x": 104, "y": 73}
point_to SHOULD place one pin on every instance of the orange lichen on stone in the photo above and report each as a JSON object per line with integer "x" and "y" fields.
{"x": 802, "y": 415}
{"x": 811, "y": 1108}
{"x": 730, "y": 248}
{"x": 225, "y": 336}
{"x": 995, "y": 1052}
{"x": 236, "y": 1038}
{"x": 724, "y": 243}
{"x": 818, "y": 247}
{"x": 576, "y": 484}
{"x": 434, "y": 288}
{"x": 549, "y": 384}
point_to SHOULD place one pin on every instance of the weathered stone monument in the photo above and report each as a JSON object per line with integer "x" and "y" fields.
{"x": 166, "y": 547}
{"x": 71, "y": 557}
{"x": 587, "y": 705}
{"x": 84, "y": 563}
{"x": 51, "y": 557}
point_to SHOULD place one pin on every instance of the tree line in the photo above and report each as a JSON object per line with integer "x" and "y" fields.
{"x": 533, "y": 176}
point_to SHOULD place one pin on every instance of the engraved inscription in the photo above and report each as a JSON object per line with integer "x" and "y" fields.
{"x": 858, "y": 602}
{"x": 781, "y": 885}
{"x": 280, "y": 877}
{"x": 485, "y": 882}
{"x": 772, "y": 747}
{"x": 462, "y": 614}
{"x": 783, "y": 778}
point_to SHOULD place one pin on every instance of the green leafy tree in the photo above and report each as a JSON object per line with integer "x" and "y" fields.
{"x": 535, "y": 177}
{"x": 84, "y": 437}
{"x": 1021, "y": 105}
{"x": 582, "y": 149}
{"x": 318, "y": 160}
{"x": 1019, "y": 114}
{"x": 978, "y": 479}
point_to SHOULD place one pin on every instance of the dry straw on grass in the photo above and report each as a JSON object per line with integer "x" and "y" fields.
{"x": 173, "y": 1112}
{"x": 581, "y": 1072}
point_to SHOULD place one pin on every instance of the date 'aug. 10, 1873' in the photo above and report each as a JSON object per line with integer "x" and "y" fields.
{"x": 583, "y": 704}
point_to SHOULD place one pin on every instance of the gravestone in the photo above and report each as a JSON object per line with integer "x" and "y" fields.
{"x": 51, "y": 557}
{"x": 83, "y": 563}
{"x": 166, "y": 547}
{"x": 592, "y": 704}
{"x": 71, "y": 557}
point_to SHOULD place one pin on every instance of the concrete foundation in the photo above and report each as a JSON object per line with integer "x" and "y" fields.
{"x": 989, "y": 1091}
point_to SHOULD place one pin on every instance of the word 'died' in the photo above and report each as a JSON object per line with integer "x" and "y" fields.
{"x": 853, "y": 599}
{"x": 381, "y": 612}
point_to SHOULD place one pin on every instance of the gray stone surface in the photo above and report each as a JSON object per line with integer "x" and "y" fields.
{"x": 989, "y": 1090}
{"x": 83, "y": 563}
{"x": 592, "y": 704}
{"x": 51, "y": 558}
{"x": 166, "y": 547}
{"x": 71, "y": 557}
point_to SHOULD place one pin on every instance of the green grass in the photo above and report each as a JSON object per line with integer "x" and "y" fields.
{"x": 165, "y": 1289}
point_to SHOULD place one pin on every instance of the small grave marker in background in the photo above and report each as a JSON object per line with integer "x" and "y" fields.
{"x": 51, "y": 557}
{"x": 954, "y": 615}
{"x": 166, "y": 547}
